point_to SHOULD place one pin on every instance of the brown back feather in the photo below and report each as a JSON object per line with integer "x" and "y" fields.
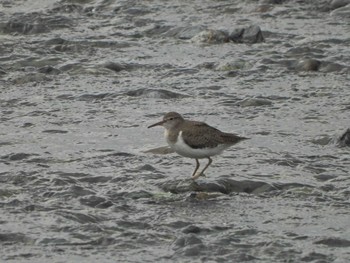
{"x": 208, "y": 136}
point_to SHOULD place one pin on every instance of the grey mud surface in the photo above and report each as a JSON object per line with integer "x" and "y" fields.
{"x": 80, "y": 179}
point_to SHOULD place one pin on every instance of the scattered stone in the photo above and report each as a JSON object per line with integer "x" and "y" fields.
{"x": 308, "y": 64}
{"x": 49, "y": 70}
{"x": 334, "y": 242}
{"x": 155, "y": 93}
{"x": 187, "y": 240}
{"x": 138, "y": 194}
{"x": 67, "y": 8}
{"x": 250, "y": 35}
{"x": 114, "y": 66}
{"x": 2, "y": 71}
{"x": 200, "y": 34}
{"x": 13, "y": 238}
{"x": 323, "y": 140}
{"x": 186, "y": 32}
{"x": 16, "y": 156}
{"x": 253, "y": 102}
{"x": 203, "y": 190}
{"x": 331, "y": 67}
{"x": 211, "y": 37}
{"x": 324, "y": 177}
{"x": 342, "y": 12}
{"x": 35, "y": 23}
{"x": 315, "y": 257}
{"x": 338, "y": 3}
{"x": 191, "y": 229}
{"x": 193, "y": 251}
{"x": 92, "y": 200}
{"x": 273, "y": 2}
{"x": 55, "y": 131}
{"x": 237, "y": 34}
{"x": 31, "y": 77}
{"x": 157, "y": 30}
{"x": 344, "y": 140}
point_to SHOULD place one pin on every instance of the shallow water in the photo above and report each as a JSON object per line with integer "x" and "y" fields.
{"x": 81, "y": 81}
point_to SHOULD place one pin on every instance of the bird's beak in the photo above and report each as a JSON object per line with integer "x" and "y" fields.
{"x": 156, "y": 124}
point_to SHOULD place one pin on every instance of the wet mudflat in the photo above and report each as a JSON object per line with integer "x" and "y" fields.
{"x": 83, "y": 179}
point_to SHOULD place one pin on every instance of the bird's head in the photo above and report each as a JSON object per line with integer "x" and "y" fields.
{"x": 170, "y": 120}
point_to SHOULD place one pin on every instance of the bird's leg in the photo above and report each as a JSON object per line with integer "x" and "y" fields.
{"x": 194, "y": 175}
{"x": 205, "y": 168}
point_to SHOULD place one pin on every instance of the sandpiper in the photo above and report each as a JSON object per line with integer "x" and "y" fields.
{"x": 195, "y": 139}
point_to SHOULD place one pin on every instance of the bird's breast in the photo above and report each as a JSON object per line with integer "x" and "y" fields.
{"x": 179, "y": 145}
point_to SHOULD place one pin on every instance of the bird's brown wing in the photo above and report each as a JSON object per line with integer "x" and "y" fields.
{"x": 207, "y": 136}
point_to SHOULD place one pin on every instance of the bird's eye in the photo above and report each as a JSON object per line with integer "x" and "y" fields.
{"x": 171, "y": 119}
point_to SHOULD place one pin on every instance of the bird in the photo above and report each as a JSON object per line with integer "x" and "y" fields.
{"x": 194, "y": 139}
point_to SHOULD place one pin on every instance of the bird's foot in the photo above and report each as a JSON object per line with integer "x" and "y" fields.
{"x": 197, "y": 175}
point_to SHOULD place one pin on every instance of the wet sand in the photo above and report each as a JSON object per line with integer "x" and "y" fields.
{"x": 83, "y": 179}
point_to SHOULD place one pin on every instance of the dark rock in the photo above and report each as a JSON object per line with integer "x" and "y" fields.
{"x": 138, "y": 194}
{"x": 338, "y": 3}
{"x": 323, "y": 140}
{"x": 31, "y": 77}
{"x": 237, "y": 34}
{"x": 186, "y": 32}
{"x": 95, "y": 179}
{"x": 331, "y": 67}
{"x": 187, "y": 240}
{"x": 316, "y": 257}
{"x": 253, "y": 34}
{"x": 344, "y": 140}
{"x": 254, "y": 102}
{"x": 250, "y": 35}
{"x": 299, "y": 51}
{"x": 2, "y": 71}
{"x": 15, "y": 26}
{"x": 334, "y": 242}
{"x": 16, "y": 156}
{"x": 157, "y": 30}
{"x": 35, "y": 23}
{"x": 273, "y": 2}
{"x": 115, "y": 66}
{"x": 202, "y": 189}
{"x": 55, "y": 41}
{"x": 49, "y": 70}
{"x": 192, "y": 229}
{"x": 105, "y": 205}
{"x": 195, "y": 250}
{"x": 55, "y": 131}
{"x": 342, "y": 12}
{"x": 325, "y": 177}
{"x": 79, "y": 191}
{"x": 246, "y": 186}
{"x": 308, "y": 64}
{"x": 67, "y": 8}
{"x": 211, "y": 37}
{"x": 92, "y": 201}
{"x": 13, "y": 238}
{"x": 93, "y": 97}
{"x": 154, "y": 93}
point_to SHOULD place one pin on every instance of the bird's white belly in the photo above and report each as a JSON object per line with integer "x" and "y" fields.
{"x": 183, "y": 149}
